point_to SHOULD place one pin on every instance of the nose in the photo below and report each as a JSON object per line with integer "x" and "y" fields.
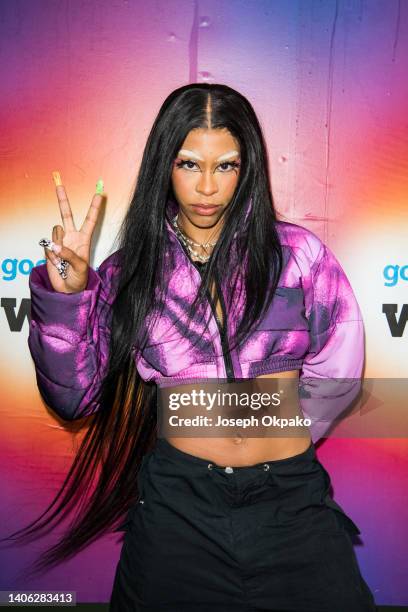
{"x": 207, "y": 183}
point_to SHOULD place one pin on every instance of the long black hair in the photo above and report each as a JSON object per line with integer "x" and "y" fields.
{"x": 102, "y": 480}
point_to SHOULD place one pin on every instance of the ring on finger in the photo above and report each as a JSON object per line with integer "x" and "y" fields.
{"x": 62, "y": 264}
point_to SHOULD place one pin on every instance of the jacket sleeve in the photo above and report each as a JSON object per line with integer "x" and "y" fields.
{"x": 69, "y": 339}
{"x": 330, "y": 378}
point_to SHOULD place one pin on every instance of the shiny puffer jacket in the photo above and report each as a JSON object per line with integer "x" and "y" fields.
{"x": 313, "y": 324}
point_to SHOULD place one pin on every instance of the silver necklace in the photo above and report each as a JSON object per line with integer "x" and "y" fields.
{"x": 188, "y": 243}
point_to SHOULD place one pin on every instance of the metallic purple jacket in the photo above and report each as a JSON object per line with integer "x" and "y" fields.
{"x": 314, "y": 324}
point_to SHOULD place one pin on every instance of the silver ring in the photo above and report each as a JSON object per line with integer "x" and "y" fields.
{"x": 48, "y": 244}
{"x": 62, "y": 264}
{"x": 62, "y": 268}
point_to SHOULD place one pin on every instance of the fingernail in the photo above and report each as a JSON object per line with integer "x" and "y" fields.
{"x": 99, "y": 186}
{"x": 57, "y": 248}
{"x": 57, "y": 178}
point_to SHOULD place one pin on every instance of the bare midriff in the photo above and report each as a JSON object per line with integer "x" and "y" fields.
{"x": 240, "y": 450}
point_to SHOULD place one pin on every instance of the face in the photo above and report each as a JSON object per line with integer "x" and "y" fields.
{"x": 206, "y": 172}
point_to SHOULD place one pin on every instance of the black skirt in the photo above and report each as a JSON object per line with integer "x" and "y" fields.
{"x": 262, "y": 537}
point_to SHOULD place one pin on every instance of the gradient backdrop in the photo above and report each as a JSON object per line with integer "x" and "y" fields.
{"x": 81, "y": 84}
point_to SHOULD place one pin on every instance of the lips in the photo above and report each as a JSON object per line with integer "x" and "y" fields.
{"x": 204, "y": 209}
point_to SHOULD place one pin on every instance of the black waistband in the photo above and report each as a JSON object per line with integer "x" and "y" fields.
{"x": 174, "y": 453}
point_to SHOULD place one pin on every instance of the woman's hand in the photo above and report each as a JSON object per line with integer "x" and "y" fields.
{"x": 75, "y": 245}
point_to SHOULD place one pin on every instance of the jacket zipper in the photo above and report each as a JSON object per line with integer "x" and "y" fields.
{"x": 226, "y": 355}
{"x": 229, "y": 368}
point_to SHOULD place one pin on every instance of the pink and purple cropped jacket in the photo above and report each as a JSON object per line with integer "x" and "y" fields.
{"x": 314, "y": 325}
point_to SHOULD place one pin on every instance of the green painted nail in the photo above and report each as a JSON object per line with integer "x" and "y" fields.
{"x": 99, "y": 186}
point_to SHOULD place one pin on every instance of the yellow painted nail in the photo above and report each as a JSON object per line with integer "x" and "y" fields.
{"x": 57, "y": 178}
{"x": 99, "y": 186}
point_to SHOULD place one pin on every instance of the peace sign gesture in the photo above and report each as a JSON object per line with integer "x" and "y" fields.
{"x": 70, "y": 244}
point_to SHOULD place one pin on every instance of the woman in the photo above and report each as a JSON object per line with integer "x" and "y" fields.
{"x": 205, "y": 284}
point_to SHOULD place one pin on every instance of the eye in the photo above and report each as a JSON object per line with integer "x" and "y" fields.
{"x": 183, "y": 164}
{"x": 232, "y": 165}
{"x": 225, "y": 166}
{"x": 191, "y": 166}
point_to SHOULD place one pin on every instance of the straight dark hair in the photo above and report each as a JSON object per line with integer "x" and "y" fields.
{"x": 102, "y": 479}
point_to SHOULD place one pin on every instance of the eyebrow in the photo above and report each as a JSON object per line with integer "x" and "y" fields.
{"x": 220, "y": 158}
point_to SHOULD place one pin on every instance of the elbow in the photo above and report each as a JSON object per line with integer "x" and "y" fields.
{"x": 59, "y": 385}
{"x": 66, "y": 403}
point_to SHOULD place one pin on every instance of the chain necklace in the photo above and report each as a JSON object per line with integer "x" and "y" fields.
{"x": 188, "y": 243}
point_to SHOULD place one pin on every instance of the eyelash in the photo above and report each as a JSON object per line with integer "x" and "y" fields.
{"x": 233, "y": 164}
